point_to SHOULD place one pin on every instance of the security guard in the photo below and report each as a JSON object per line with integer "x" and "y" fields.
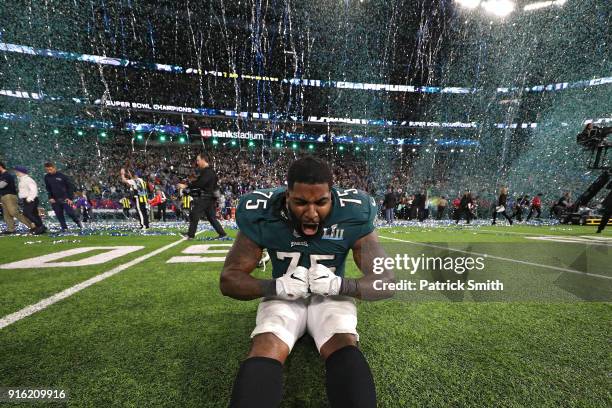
{"x": 126, "y": 203}
{"x": 204, "y": 192}
{"x": 186, "y": 200}
{"x": 139, "y": 190}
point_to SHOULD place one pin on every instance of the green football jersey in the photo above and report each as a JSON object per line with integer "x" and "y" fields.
{"x": 262, "y": 216}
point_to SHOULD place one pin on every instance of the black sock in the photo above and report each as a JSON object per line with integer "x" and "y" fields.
{"x": 259, "y": 384}
{"x": 349, "y": 381}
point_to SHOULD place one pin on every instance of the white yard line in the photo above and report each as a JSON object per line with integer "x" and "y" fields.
{"x": 43, "y": 304}
{"x": 501, "y": 231}
{"x": 556, "y": 268}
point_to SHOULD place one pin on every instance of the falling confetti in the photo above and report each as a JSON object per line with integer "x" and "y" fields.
{"x": 108, "y": 70}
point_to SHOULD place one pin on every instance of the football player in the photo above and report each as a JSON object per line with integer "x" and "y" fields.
{"x": 308, "y": 230}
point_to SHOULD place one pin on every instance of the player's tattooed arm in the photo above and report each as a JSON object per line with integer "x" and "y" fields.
{"x": 365, "y": 250}
{"x": 236, "y": 279}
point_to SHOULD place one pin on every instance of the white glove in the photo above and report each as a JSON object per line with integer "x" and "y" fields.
{"x": 293, "y": 284}
{"x": 323, "y": 281}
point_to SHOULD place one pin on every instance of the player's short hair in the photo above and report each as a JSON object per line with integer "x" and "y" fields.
{"x": 309, "y": 170}
{"x": 49, "y": 164}
{"x": 3, "y": 165}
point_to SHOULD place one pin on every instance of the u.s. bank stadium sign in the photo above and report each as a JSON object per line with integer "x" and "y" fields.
{"x": 231, "y": 135}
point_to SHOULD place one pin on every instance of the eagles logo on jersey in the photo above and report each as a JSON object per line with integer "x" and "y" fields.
{"x": 263, "y": 217}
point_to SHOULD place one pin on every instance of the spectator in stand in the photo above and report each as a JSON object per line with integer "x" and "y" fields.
{"x": 28, "y": 192}
{"x": 536, "y": 205}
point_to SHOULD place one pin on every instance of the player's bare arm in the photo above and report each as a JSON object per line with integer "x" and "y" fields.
{"x": 236, "y": 279}
{"x": 365, "y": 250}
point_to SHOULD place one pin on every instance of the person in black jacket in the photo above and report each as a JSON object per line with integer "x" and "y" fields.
{"x": 606, "y": 210}
{"x": 61, "y": 194}
{"x": 501, "y": 206}
{"x": 465, "y": 208}
{"x": 204, "y": 192}
{"x": 521, "y": 204}
{"x": 420, "y": 201}
{"x": 389, "y": 204}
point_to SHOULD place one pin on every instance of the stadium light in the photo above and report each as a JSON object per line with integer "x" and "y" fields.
{"x": 80, "y": 133}
{"x": 413, "y": 150}
{"x": 233, "y": 143}
{"x": 5, "y": 128}
{"x": 341, "y": 148}
{"x": 182, "y": 139}
{"x": 543, "y": 4}
{"x": 215, "y": 142}
{"x": 251, "y": 143}
{"x": 139, "y": 136}
{"x": 162, "y": 138}
{"x": 371, "y": 149}
{"x": 277, "y": 145}
{"x": 310, "y": 146}
{"x": 357, "y": 148}
{"x": 294, "y": 146}
{"x": 470, "y": 4}
{"x": 500, "y": 8}
{"x": 102, "y": 134}
{"x": 56, "y": 131}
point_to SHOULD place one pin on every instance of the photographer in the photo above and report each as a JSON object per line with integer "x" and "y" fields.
{"x": 205, "y": 193}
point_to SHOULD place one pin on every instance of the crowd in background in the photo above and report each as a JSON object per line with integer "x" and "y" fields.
{"x": 97, "y": 183}
{"x": 239, "y": 171}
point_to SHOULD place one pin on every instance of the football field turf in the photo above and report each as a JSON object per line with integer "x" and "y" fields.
{"x": 156, "y": 331}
